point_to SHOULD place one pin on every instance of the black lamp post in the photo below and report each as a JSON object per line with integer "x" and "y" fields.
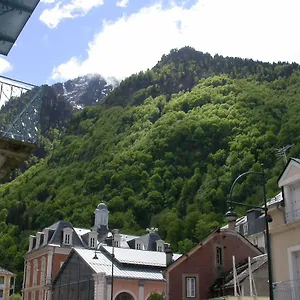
{"x": 232, "y": 216}
{"x": 113, "y": 232}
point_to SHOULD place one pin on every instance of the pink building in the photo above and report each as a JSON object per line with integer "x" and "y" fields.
{"x": 132, "y": 273}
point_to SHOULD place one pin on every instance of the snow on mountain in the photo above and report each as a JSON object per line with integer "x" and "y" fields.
{"x": 84, "y": 91}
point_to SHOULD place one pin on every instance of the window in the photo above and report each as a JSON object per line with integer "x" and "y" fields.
{"x": 67, "y": 237}
{"x": 33, "y": 295}
{"x": 43, "y": 270}
{"x": 159, "y": 248}
{"x": 245, "y": 228}
{"x": 92, "y": 242}
{"x": 40, "y": 294}
{"x": 219, "y": 256}
{"x": 190, "y": 284}
{"x": 138, "y": 246}
{"x": 116, "y": 243}
{"x": 1, "y": 279}
{"x": 28, "y": 271}
{"x": 35, "y": 272}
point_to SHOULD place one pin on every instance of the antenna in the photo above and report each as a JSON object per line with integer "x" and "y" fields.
{"x": 281, "y": 152}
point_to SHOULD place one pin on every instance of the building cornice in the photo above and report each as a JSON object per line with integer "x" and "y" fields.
{"x": 285, "y": 227}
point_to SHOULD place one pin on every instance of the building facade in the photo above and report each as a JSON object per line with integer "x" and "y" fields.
{"x": 7, "y": 283}
{"x": 88, "y": 274}
{"x": 285, "y": 234}
{"x": 49, "y": 249}
{"x": 193, "y": 274}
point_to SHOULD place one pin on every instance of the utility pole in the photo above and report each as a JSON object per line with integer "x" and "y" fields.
{"x": 281, "y": 152}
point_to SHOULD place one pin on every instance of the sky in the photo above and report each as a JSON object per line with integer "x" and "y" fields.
{"x": 65, "y": 39}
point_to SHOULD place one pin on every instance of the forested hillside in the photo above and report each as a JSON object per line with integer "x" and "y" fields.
{"x": 167, "y": 162}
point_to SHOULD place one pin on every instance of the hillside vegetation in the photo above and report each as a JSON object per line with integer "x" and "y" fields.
{"x": 166, "y": 161}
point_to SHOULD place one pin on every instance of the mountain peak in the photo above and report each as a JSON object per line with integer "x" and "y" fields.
{"x": 87, "y": 90}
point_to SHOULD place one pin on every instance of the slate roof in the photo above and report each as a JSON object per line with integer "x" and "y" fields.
{"x": 104, "y": 264}
{"x": 5, "y": 272}
{"x": 227, "y": 281}
{"x": 139, "y": 257}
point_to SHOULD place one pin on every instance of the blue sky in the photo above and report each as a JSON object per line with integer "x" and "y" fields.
{"x": 69, "y": 38}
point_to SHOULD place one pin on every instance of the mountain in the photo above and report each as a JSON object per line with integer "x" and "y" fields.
{"x": 162, "y": 150}
{"x": 84, "y": 91}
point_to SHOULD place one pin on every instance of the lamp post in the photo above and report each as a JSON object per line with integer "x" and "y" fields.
{"x": 232, "y": 216}
{"x": 113, "y": 232}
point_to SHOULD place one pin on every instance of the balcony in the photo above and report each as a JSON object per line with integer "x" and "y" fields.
{"x": 287, "y": 290}
{"x": 292, "y": 216}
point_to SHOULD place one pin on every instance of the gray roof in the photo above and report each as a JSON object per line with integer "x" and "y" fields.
{"x": 139, "y": 257}
{"x": 5, "y": 272}
{"x": 104, "y": 265}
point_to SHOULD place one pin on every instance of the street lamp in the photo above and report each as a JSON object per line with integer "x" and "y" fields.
{"x": 232, "y": 216}
{"x": 113, "y": 232}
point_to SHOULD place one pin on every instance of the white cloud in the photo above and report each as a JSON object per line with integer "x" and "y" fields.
{"x": 122, "y": 3}
{"x": 70, "y": 10}
{"x": 245, "y": 28}
{"x": 5, "y": 66}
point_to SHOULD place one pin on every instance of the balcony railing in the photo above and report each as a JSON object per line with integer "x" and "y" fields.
{"x": 292, "y": 216}
{"x": 20, "y": 104}
{"x": 287, "y": 290}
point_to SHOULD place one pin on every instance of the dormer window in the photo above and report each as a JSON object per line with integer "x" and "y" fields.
{"x": 38, "y": 240}
{"x": 160, "y": 246}
{"x": 67, "y": 236}
{"x": 93, "y": 239}
{"x": 46, "y": 236}
{"x": 31, "y": 243}
{"x": 139, "y": 244}
{"x": 117, "y": 238}
{"x": 92, "y": 242}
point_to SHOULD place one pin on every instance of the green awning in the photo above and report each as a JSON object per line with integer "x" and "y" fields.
{"x": 14, "y": 14}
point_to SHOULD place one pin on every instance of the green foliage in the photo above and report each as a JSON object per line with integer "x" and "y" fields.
{"x": 168, "y": 161}
{"x": 156, "y": 296}
{"x": 15, "y": 297}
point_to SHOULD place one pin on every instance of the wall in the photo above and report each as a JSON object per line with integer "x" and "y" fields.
{"x": 140, "y": 290}
{"x": 202, "y": 262}
{"x": 282, "y": 238}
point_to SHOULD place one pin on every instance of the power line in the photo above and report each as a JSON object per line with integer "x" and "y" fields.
{"x": 281, "y": 152}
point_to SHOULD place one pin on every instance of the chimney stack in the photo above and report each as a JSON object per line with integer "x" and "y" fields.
{"x": 169, "y": 257}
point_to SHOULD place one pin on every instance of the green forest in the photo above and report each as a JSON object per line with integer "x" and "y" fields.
{"x": 161, "y": 150}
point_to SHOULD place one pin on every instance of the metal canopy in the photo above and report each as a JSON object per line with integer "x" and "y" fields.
{"x": 14, "y": 14}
